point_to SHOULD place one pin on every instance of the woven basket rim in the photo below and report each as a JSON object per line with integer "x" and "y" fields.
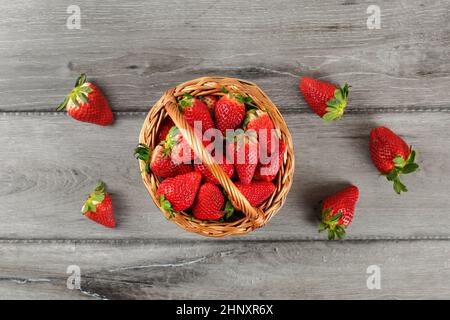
{"x": 254, "y": 217}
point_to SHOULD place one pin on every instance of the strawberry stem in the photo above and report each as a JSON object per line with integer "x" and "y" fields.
{"x": 167, "y": 206}
{"x": 331, "y": 223}
{"x": 337, "y": 104}
{"x": 142, "y": 152}
{"x": 96, "y": 197}
{"x": 79, "y": 93}
{"x": 402, "y": 166}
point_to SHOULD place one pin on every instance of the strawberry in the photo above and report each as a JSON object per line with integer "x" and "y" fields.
{"x": 195, "y": 110}
{"x": 98, "y": 207}
{"x": 392, "y": 156}
{"x": 210, "y": 102}
{"x": 269, "y": 171}
{"x": 230, "y": 111}
{"x": 246, "y": 155}
{"x": 87, "y": 103}
{"x": 209, "y": 203}
{"x": 338, "y": 211}
{"x": 178, "y": 147}
{"x": 256, "y": 192}
{"x": 260, "y": 121}
{"x": 327, "y": 100}
{"x": 178, "y": 193}
{"x": 160, "y": 162}
{"x": 164, "y": 128}
{"x": 228, "y": 168}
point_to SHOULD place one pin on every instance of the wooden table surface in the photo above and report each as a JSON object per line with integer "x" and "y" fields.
{"x": 135, "y": 50}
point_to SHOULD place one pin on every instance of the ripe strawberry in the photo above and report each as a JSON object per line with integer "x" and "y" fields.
{"x": 177, "y": 146}
{"x": 87, "y": 103}
{"x": 195, "y": 110}
{"x": 209, "y": 203}
{"x": 392, "y": 156}
{"x": 160, "y": 162}
{"x": 98, "y": 207}
{"x": 230, "y": 111}
{"x": 260, "y": 121}
{"x": 164, "y": 129}
{"x": 269, "y": 171}
{"x": 256, "y": 192}
{"x": 178, "y": 193}
{"x": 210, "y": 102}
{"x": 327, "y": 100}
{"x": 338, "y": 211}
{"x": 228, "y": 168}
{"x": 246, "y": 155}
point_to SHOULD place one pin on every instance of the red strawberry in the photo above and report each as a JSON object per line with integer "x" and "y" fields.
{"x": 178, "y": 147}
{"x": 260, "y": 121}
{"x": 164, "y": 128}
{"x": 178, "y": 193}
{"x": 160, "y": 162}
{"x": 230, "y": 111}
{"x": 246, "y": 156}
{"x": 338, "y": 211}
{"x": 392, "y": 156}
{"x": 98, "y": 207}
{"x": 327, "y": 100}
{"x": 210, "y": 102}
{"x": 209, "y": 203}
{"x": 228, "y": 168}
{"x": 195, "y": 110}
{"x": 269, "y": 171}
{"x": 87, "y": 103}
{"x": 256, "y": 192}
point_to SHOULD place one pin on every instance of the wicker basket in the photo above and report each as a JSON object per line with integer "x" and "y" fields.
{"x": 254, "y": 217}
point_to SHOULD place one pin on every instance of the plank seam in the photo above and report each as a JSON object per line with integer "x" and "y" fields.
{"x": 223, "y": 241}
{"x": 363, "y": 111}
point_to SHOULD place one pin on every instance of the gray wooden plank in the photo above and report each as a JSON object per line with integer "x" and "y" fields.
{"x": 223, "y": 269}
{"x": 50, "y": 162}
{"x": 137, "y": 49}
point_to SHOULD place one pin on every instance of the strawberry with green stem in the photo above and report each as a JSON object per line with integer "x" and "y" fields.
{"x": 392, "y": 156}
{"x": 327, "y": 100}
{"x": 178, "y": 193}
{"x": 338, "y": 211}
{"x": 87, "y": 103}
{"x": 209, "y": 203}
{"x": 98, "y": 207}
{"x": 230, "y": 110}
{"x": 159, "y": 161}
{"x": 195, "y": 110}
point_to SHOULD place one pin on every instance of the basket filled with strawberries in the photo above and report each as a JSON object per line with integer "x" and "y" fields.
{"x": 216, "y": 156}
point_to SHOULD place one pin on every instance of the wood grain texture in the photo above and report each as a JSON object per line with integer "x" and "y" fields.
{"x": 50, "y": 163}
{"x": 221, "y": 269}
{"x": 137, "y": 49}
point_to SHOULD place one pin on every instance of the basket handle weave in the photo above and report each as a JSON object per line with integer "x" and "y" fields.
{"x": 256, "y": 215}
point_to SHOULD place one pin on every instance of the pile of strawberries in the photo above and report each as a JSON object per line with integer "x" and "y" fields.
{"x": 238, "y": 134}
{"x": 248, "y": 150}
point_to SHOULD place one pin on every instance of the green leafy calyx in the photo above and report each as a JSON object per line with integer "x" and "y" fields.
{"x": 402, "y": 166}
{"x": 171, "y": 140}
{"x": 96, "y": 197}
{"x": 167, "y": 206}
{"x": 331, "y": 223}
{"x": 336, "y": 105}
{"x": 142, "y": 152}
{"x": 229, "y": 210}
{"x": 186, "y": 102}
{"x": 79, "y": 93}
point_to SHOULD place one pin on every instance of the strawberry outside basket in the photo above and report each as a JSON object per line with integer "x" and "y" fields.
{"x": 253, "y": 217}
